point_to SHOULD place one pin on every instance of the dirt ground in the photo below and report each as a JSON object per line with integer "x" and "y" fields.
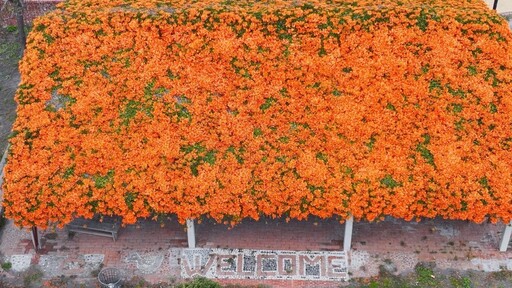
{"x": 9, "y": 80}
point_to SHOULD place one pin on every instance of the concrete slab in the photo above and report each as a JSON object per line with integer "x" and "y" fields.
{"x": 504, "y": 6}
{"x": 492, "y": 265}
{"x": 20, "y": 262}
{"x": 360, "y": 263}
{"x": 93, "y": 260}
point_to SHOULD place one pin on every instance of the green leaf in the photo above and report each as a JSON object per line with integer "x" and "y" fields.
{"x": 434, "y": 84}
{"x": 129, "y": 198}
{"x": 257, "y": 132}
{"x": 268, "y": 103}
{"x": 492, "y": 107}
{"x": 347, "y": 69}
{"x": 70, "y": 171}
{"x": 389, "y": 182}
{"x": 422, "y": 21}
{"x": 426, "y": 154}
{"x": 391, "y": 107}
{"x": 322, "y": 157}
{"x": 103, "y": 181}
{"x": 472, "y": 70}
{"x": 371, "y": 142}
{"x": 455, "y": 108}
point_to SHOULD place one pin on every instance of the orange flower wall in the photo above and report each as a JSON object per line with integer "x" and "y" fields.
{"x": 236, "y": 109}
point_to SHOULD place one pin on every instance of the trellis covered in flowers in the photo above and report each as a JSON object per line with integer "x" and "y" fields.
{"x": 236, "y": 109}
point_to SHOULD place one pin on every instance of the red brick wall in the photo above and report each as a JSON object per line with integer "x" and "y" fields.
{"x": 32, "y": 9}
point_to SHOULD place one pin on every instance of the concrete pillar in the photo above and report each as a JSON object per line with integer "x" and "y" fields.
{"x": 191, "y": 234}
{"x": 347, "y": 240}
{"x": 505, "y": 239}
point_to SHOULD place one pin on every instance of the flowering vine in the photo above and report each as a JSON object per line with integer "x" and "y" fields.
{"x": 236, "y": 109}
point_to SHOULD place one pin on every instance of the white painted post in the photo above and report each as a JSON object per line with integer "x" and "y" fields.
{"x": 347, "y": 241}
{"x": 191, "y": 234}
{"x": 505, "y": 239}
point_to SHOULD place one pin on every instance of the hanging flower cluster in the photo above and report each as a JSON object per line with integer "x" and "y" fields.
{"x": 236, "y": 109}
